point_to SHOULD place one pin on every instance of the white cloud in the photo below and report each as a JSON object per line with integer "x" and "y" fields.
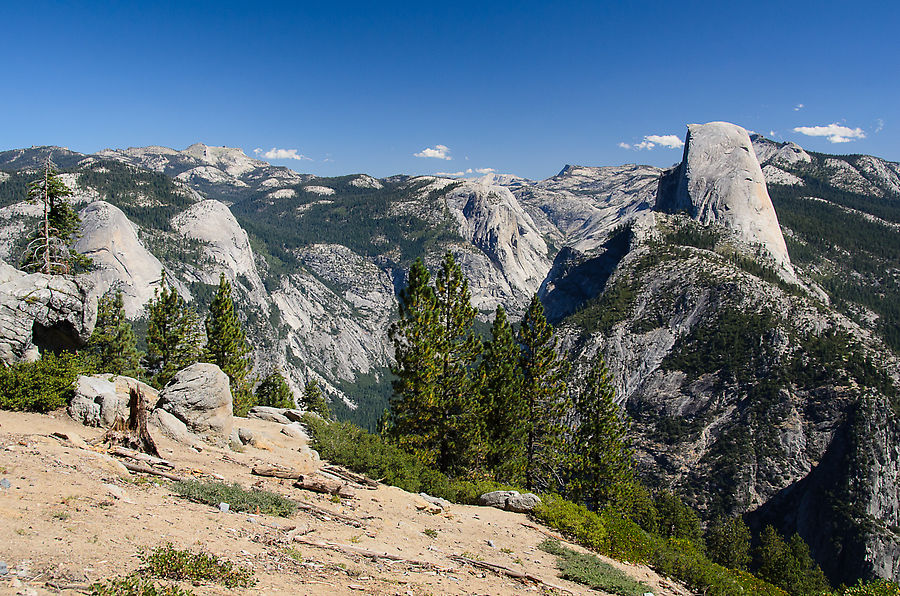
{"x": 651, "y": 141}
{"x": 274, "y": 153}
{"x": 437, "y": 152}
{"x": 835, "y": 132}
{"x": 485, "y": 170}
{"x": 450, "y": 174}
{"x": 799, "y": 107}
{"x": 668, "y": 141}
{"x": 880, "y": 124}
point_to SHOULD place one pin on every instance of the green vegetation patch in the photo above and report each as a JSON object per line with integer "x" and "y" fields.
{"x": 43, "y": 385}
{"x": 591, "y": 571}
{"x": 239, "y": 499}
{"x": 167, "y": 562}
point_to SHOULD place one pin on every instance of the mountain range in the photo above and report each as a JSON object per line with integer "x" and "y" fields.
{"x": 746, "y": 300}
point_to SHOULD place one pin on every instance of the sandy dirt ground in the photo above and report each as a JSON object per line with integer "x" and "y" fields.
{"x": 73, "y": 515}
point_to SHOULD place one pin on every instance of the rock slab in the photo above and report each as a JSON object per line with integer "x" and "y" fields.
{"x": 510, "y": 500}
{"x": 100, "y": 399}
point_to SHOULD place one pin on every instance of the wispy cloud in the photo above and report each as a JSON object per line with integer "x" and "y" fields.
{"x": 450, "y": 174}
{"x": 437, "y": 152}
{"x": 799, "y": 107}
{"x": 651, "y": 141}
{"x": 274, "y": 153}
{"x": 485, "y": 170}
{"x": 835, "y": 133}
{"x": 879, "y": 124}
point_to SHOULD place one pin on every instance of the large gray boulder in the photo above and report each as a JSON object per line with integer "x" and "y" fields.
{"x": 510, "y": 500}
{"x": 200, "y": 397}
{"x": 49, "y": 312}
{"x": 100, "y": 399}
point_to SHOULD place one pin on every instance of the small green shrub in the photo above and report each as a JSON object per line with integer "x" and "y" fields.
{"x": 589, "y": 570}
{"x": 238, "y": 498}
{"x": 878, "y": 587}
{"x": 167, "y": 562}
{"x": 135, "y": 585}
{"x": 43, "y": 385}
{"x": 346, "y": 444}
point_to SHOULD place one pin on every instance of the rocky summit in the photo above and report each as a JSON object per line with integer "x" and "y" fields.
{"x": 745, "y": 300}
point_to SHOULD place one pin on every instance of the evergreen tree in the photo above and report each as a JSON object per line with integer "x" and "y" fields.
{"x": 174, "y": 336}
{"x": 788, "y": 564}
{"x": 410, "y": 420}
{"x": 728, "y": 542}
{"x": 48, "y": 248}
{"x": 432, "y": 411}
{"x": 602, "y": 472}
{"x": 544, "y": 390}
{"x": 502, "y": 404}
{"x": 227, "y": 347}
{"x": 274, "y": 391}
{"x": 314, "y": 400}
{"x": 458, "y": 349}
{"x": 112, "y": 342}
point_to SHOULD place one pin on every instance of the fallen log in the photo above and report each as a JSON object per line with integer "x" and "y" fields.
{"x": 369, "y": 554}
{"x": 320, "y": 484}
{"x": 145, "y": 469}
{"x": 328, "y": 515}
{"x": 502, "y": 570}
{"x": 137, "y": 455}
{"x": 275, "y": 471}
{"x": 349, "y": 476}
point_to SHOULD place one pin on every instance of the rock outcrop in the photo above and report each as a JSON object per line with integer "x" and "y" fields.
{"x": 40, "y": 311}
{"x": 510, "y": 500}
{"x": 200, "y": 397}
{"x": 100, "y": 399}
{"x": 720, "y": 181}
{"x": 121, "y": 260}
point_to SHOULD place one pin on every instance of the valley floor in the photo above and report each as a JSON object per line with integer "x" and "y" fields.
{"x": 73, "y": 515}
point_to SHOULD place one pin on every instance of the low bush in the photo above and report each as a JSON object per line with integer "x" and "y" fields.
{"x": 135, "y": 585}
{"x": 346, "y": 444}
{"x": 238, "y": 498}
{"x": 167, "y": 562}
{"x": 878, "y": 587}
{"x": 589, "y": 570}
{"x": 43, "y": 385}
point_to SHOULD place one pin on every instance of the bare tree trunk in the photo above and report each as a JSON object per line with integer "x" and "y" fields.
{"x": 133, "y": 434}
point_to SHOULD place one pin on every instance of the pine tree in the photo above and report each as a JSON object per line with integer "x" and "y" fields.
{"x": 274, "y": 391}
{"x": 458, "y": 349}
{"x": 174, "y": 336}
{"x": 113, "y": 342}
{"x": 227, "y": 347}
{"x": 601, "y": 456}
{"x": 544, "y": 391}
{"x": 728, "y": 542}
{"x": 432, "y": 410}
{"x": 502, "y": 404}
{"x": 410, "y": 420}
{"x": 314, "y": 400}
{"x": 47, "y": 250}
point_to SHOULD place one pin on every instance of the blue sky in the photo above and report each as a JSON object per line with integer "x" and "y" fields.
{"x": 522, "y": 87}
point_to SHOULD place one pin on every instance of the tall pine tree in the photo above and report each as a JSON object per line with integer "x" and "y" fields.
{"x": 602, "y": 472}
{"x": 274, "y": 391}
{"x": 544, "y": 391}
{"x": 227, "y": 347}
{"x": 113, "y": 342}
{"x": 410, "y": 421}
{"x": 503, "y": 407}
{"x": 458, "y": 349}
{"x": 432, "y": 410}
{"x": 174, "y": 337}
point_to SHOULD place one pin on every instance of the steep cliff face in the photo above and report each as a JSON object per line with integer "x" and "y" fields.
{"x": 121, "y": 260}
{"x": 720, "y": 181}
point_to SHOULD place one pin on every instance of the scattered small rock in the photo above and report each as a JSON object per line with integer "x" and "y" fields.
{"x": 224, "y": 507}
{"x": 294, "y": 431}
{"x": 439, "y": 502}
{"x": 5, "y": 484}
{"x": 269, "y": 414}
{"x": 246, "y": 436}
{"x": 4, "y": 570}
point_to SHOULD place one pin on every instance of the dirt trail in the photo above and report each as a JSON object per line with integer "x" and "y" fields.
{"x": 72, "y": 515}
